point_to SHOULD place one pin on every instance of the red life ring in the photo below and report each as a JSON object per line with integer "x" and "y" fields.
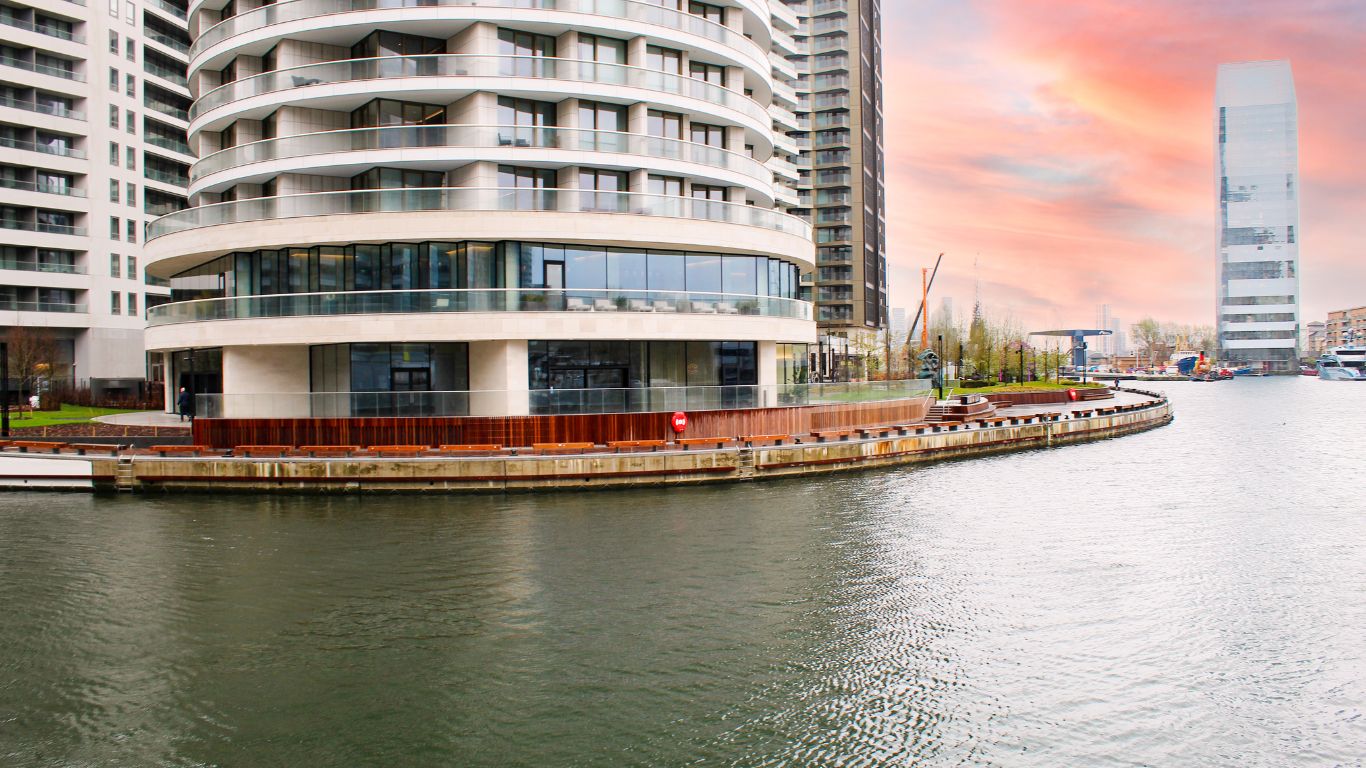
{"x": 1072, "y": 395}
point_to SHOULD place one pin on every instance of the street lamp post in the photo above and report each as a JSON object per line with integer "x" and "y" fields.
{"x": 4, "y": 389}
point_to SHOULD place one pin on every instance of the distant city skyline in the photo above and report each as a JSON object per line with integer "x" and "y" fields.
{"x": 1070, "y": 152}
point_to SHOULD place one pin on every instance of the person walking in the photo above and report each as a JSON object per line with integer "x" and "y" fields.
{"x": 185, "y": 404}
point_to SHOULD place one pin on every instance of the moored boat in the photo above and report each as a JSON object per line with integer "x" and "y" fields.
{"x": 1343, "y": 364}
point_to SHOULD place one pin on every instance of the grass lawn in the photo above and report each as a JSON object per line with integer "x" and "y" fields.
{"x": 69, "y": 414}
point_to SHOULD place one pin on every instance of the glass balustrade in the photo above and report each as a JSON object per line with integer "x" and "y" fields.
{"x": 474, "y": 199}
{"x": 480, "y": 136}
{"x": 650, "y": 13}
{"x": 436, "y": 301}
{"x": 300, "y": 405}
{"x": 463, "y": 65}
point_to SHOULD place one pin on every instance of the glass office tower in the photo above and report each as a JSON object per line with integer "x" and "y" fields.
{"x": 1257, "y": 177}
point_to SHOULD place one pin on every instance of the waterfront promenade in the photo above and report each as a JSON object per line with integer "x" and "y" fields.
{"x": 562, "y": 466}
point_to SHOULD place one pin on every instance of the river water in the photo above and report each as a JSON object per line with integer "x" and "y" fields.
{"x": 1190, "y": 596}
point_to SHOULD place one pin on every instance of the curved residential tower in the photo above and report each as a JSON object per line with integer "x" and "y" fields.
{"x": 481, "y": 207}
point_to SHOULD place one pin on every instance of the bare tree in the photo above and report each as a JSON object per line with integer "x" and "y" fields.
{"x": 32, "y": 356}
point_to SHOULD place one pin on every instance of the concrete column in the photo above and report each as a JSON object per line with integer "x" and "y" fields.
{"x": 767, "y": 369}
{"x": 266, "y": 370}
{"x": 635, "y": 51}
{"x": 168, "y": 384}
{"x": 498, "y": 378}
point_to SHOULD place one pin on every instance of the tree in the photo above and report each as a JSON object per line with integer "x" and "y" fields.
{"x": 1149, "y": 336}
{"x": 32, "y": 357}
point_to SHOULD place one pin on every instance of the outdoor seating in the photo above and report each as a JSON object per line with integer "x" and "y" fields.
{"x": 826, "y": 435}
{"x": 180, "y": 450}
{"x": 639, "y": 305}
{"x": 664, "y": 305}
{"x": 82, "y": 449}
{"x": 328, "y": 450}
{"x": 397, "y": 450}
{"x": 471, "y": 448}
{"x": 726, "y": 308}
{"x": 561, "y": 447}
{"x": 262, "y": 450}
{"x": 37, "y": 446}
{"x": 653, "y": 445}
{"x": 750, "y": 440}
{"x": 604, "y": 305}
{"x": 576, "y": 304}
{"x": 718, "y": 442}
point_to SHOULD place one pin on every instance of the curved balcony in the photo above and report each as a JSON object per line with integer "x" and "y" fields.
{"x": 438, "y": 301}
{"x": 475, "y": 199}
{"x": 631, "y": 10}
{"x": 458, "y": 66}
{"x": 442, "y": 137}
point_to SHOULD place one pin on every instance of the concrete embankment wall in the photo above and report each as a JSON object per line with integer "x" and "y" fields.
{"x": 601, "y": 470}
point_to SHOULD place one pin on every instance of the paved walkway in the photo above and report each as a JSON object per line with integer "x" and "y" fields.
{"x": 1120, "y": 398}
{"x": 143, "y": 419}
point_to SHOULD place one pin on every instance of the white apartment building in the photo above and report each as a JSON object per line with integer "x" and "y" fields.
{"x": 93, "y": 111}
{"x": 493, "y": 208}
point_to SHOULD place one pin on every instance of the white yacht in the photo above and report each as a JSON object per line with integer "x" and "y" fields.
{"x": 1343, "y": 364}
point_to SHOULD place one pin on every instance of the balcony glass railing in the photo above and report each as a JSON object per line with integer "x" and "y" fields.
{"x": 475, "y": 199}
{"x": 440, "y": 301}
{"x": 466, "y": 65}
{"x": 42, "y": 29}
{"x": 166, "y": 73}
{"x": 53, "y": 229}
{"x": 47, "y": 149}
{"x": 650, "y": 13}
{"x": 317, "y": 405}
{"x": 168, "y": 41}
{"x": 166, "y": 7}
{"x": 40, "y": 306}
{"x": 165, "y": 177}
{"x": 55, "y": 110}
{"x": 42, "y": 266}
{"x": 42, "y": 69}
{"x": 45, "y": 188}
{"x": 170, "y": 110}
{"x": 164, "y": 142}
{"x": 475, "y": 136}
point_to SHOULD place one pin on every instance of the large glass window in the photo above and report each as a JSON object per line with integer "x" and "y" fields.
{"x": 381, "y": 112}
{"x": 527, "y": 47}
{"x": 664, "y": 60}
{"x": 605, "y": 50}
{"x": 601, "y": 190}
{"x": 704, "y": 273}
{"x": 520, "y": 119}
{"x": 711, "y": 135}
{"x": 666, "y": 125}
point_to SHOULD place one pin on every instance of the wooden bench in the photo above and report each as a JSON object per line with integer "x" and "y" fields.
{"x": 562, "y": 447}
{"x": 750, "y": 440}
{"x": 36, "y": 446}
{"x": 328, "y": 450}
{"x": 82, "y": 449}
{"x": 825, "y": 435}
{"x": 471, "y": 448}
{"x": 187, "y": 450}
{"x": 262, "y": 450}
{"x": 398, "y": 450}
{"x": 717, "y": 442}
{"x": 653, "y": 445}
{"x": 870, "y": 432}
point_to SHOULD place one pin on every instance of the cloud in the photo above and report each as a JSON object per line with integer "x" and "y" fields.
{"x": 1067, "y": 149}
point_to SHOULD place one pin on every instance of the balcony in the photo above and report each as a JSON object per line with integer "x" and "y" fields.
{"x": 441, "y": 301}
{"x": 40, "y": 266}
{"x": 475, "y": 199}
{"x": 465, "y": 65}
{"x": 164, "y": 177}
{"x": 168, "y": 41}
{"x": 53, "y": 229}
{"x": 166, "y": 7}
{"x": 475, "y": 136}
{"x": 47, "y": 149}
{"x": 41, "y": 306}
{"x": 166, "y": 142}
{"x": 47, "y": 189}
{"x": 42, "y": 69}
{"x": 165, "y": 73}
{"x": 56, "y": 110}
{"x": 632, "y": 10}
{"x": 42, "y": 29}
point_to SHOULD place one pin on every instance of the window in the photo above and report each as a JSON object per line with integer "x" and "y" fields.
{"x": 114, "y": 8}
{"x": 523, "y": 189}
{"x": 132, "y": 121}
{"x": 665, "y": 185}
{"x": 597, "y": 116}
{"x": 114, "y": 303}
{"x": 113, "y": 116}
{"x": 113, "y": 42}
{"x": 601, "y": 188}
{"x": 709, "y": 12}
{"x": 132, "y": 231}
{"x": 602, "y": 49}
{"x": 666, "y": 125}
{"x": 113, "y": 265}
{"x": 711, "y": 135}
{"x": 114, "y": 228}
{"x": 132, "y": 273}
{"x": 130, "y": 85}
{"x": 129, "y": 13}
{"x": 131, "y": 156}
{"x": 114, "y": 154}
{"x": 113, "y": 190}
{"x": 525, "y": 112}
{"x": 132, "y": 194}
{"x": 709, "y": 192}
{"x": 132, "y": 304}
{"x": 514, "y": 43}
{"x": 664, "y": 59}
{"x": 130, "y": 50}
{"x": 113, "y": 79}
{"x": 708, "y": 72}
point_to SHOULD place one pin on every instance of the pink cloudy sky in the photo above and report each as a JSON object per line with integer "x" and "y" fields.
{"x": 1068, "y": 144}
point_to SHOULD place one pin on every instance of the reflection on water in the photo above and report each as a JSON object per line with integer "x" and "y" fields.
{"x": 1190, "y": 596}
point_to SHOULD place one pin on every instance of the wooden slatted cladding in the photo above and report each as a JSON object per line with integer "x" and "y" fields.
{"x": 526, "y": 430}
